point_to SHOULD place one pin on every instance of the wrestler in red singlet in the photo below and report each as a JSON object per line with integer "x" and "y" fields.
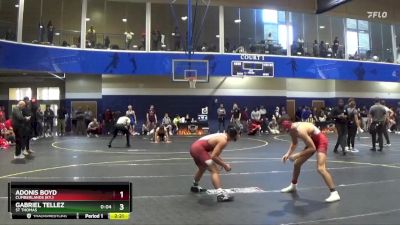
{"x": 206, "y": 154}
{"x": 315, "y": 141}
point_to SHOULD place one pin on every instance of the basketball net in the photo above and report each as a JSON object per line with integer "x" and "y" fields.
{"x": 192, "y": 82}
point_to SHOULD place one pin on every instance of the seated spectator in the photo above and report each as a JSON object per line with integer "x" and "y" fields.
{"x": 176, "y": 122}
{"x": 93, "y": 128}
{"x": 7, "y": 131}
{"x": 161, "y": 135}
{"x": 310, "y": 119}
{"x": 167, "y": 123}
{"x": 305, "y": 114}
{"x": 273, "y": 126}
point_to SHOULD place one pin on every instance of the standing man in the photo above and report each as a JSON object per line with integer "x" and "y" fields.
{"x": 61, "y": 115}
{"x": 122, "y": 125}
{"x": 48, "y": 121}
{"x": 221, "y": 113}
{"x": 386, "y": 130}
{"x": 377, "y": 114}
{"x": 236, "y": 115}
{"x": 27, "y": 134}
{"x": 339, "y": 115}
{"x": 315, "y": 142}
{"x": 19, "y": 122}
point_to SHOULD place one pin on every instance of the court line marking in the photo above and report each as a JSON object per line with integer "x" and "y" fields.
{"x": 55, "y": 145}
{"x": 181, "y": 175}
{"x": 345, "y": 217}
{"x": 171, "y": 159}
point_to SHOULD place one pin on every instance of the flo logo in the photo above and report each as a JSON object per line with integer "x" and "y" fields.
{"x": 28, "y": 215}
{"x": 377, "y": 14}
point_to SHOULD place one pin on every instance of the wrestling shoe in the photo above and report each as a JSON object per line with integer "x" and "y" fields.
{"x": 197, "y": 189}
{"x": 333, "y": 197}
{"x": 30, "y": 151}
{"x": 224, "y": 197}
{"x": 387, "y": 145}
{"x": 291, "y": 188}
{"x": 25, "y": 152}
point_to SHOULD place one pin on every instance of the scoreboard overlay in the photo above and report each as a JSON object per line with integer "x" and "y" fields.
{"x": 70, "y": 200}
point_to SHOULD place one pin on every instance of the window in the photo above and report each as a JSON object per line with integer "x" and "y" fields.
{"x": 270, "y": 16}
{"x": 48, "y": 93}
{"x": 18, "y": 94}
{"x": 358, "y": 30}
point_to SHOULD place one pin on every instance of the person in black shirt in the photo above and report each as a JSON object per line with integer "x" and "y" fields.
{"x": 48, "y": 121}
{"x": 27, "y": 131}
{"x": 61, "y": 115}
{"x": 339, "y": 115}
{"x": 353, "y": 124}
{"x": 19, "y": 122}
{"x": 236, "y": 115}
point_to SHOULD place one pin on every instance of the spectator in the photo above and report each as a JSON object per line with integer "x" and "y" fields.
{"x": 6, "y": 131}
{"x": 151, "y": 118}
{"x": 19, "y": 122}
{"x": 50, "y": 32}
{"x": 273, "y": 126}
{"x": 88, "y": 116}
{"x": 264, "y": 119}
{"x": 221, "y": 113}
{"x": 61, "y": 116}
{"x": 40, "y": 121}
{"x": 108, "y": 121}
{"x": 322, "y": 49}
{"x": 154, "y": 40}
{"x": 177, "y": 39}
{"x": 310, "y": 119}
{"x": 27, "y": 135}
{"x": 305, "y": 114}
{"x": 340, "y": 116}
{"x": 41, "y": 32}
{"x": 277, "y": 114}
{"x": 107, "y": 42}
{"x": 80, "y": 121}
{"x": 130, "y": 113}
{"x": 93, "y": 128}
{"x": 9, "y": 36}
{"x": 176, "y": 122}
{"x": 128, "y": 39}
{"x": 335, "y": 47}
{"x": 364, "y": 117}
{"x": 91, "y": 37}
{"x": 299, "y": 111}
{"x": 244, "y": 119}
{"x": 48, "y": 121}
{"x": 167, "y": 124}
{"x": 284, "y": 112}
{"x": 236, "y": 115}
{"x": 315, "y": 49}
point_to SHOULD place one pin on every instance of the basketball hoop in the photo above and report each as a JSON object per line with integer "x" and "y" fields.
{"x": 192, "y": 82}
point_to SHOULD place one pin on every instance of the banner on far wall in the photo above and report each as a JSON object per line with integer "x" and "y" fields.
{"x": 29, "y": 57}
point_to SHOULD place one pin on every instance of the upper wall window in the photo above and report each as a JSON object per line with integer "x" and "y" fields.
{"x": 18, "y": 94}
{"x": 48, "y": 93}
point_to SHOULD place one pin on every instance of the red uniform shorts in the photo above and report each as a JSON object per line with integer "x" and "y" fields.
{"x": 200, "y": 153}
{"x": 321, "y": 143}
